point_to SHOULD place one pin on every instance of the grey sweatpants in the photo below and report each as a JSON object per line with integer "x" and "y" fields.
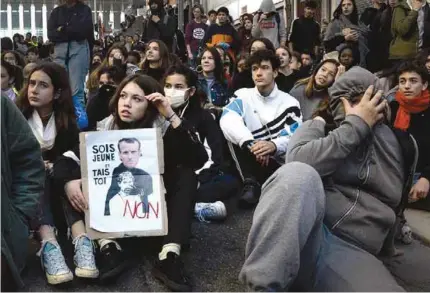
{"x": 289, "y": 248}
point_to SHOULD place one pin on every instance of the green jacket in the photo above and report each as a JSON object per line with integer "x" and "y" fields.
{"x": 404, "y": 29}
{"x": 23, "y": 179}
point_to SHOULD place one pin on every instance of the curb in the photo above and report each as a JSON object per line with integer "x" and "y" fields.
{"x": 421, "y": 238}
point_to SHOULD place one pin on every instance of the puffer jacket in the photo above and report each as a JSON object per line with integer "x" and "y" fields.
{"x": 362, "y": 168}
{"x": 404, "y": 29}
{"x": 22, "y": 183}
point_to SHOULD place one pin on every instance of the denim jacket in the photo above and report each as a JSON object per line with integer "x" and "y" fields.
{"x": 219, "y": 93}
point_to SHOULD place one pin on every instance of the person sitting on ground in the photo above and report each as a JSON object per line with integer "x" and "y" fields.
{"x": 14, "y": 58}
{"x": 133, "y": 57}
{"x": 139, "y": 103}
{"x": 286, "y": 77}
{"x": 156, "y": 61}
{"x": 115, "y": 57}
{"x": 244, "y": 79}
{"x": 349, "y": 56}
{"x": 424, "y": 59}
{"x": 11, "y": 80}
{"x": 27, "y": 70}
{"x": 312, "y": 92}
{"x": 410, "y": 112}
{"x": 296, "y": 61}
{"x": 258, "y": 124}
{"x": 46, "y": 102}
{"x": 333, "y": 202}
{"x": 215, "y": 182}
{"x": 22, "y": 178}
{"x": 211, "y": 81}
{"x": 32, "y": 55}
{"x": 98, "y": 106}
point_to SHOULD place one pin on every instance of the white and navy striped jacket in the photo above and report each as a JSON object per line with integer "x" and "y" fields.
{"x": 250, "y": 116}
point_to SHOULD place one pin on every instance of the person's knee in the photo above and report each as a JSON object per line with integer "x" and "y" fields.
{"x": 297, "y": 179}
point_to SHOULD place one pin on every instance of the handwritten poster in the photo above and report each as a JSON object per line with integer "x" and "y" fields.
{"x": 122, "y": 181}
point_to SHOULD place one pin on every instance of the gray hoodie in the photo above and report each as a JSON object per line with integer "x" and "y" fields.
{"x": 362, "y": 168}
{"x": 269, "y": 27}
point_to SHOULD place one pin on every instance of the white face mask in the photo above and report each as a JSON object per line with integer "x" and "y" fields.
{"x": 176, "y": 97}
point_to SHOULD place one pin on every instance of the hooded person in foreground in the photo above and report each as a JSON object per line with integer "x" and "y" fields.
{"x": 326, "y": 216}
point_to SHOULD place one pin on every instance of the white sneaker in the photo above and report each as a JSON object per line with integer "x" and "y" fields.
{"x": 205, "y": 212}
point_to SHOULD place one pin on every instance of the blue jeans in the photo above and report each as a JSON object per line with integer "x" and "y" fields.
{"x": 75, "y": 57}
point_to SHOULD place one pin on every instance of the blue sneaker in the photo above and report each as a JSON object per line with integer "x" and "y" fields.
{"x": 54, "y": 264}
{"x": 84, "y": 258}
{"x": 205, "y": 212}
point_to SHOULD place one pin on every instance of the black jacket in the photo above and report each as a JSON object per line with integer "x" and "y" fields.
{"x": 418, "y": 128}
{"x": 65, "y": 140}
{"x": 76, "y": 24}
{"x": 161, "y": 30}
{"x": 305, "y": 27}
{"x": 98, "y": 106}
{"x": 379, "y": 41}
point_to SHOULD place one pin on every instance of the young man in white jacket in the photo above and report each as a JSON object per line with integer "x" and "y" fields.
{"x": 258, "y": 124}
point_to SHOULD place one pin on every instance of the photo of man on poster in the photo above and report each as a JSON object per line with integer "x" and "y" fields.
{"x": 140, "y": 185}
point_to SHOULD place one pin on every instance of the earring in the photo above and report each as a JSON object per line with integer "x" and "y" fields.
{"x": 57, "y": 95}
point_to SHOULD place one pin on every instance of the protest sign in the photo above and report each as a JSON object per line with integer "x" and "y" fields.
{"x": 122, "y": 182}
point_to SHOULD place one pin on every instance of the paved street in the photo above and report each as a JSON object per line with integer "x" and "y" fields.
{"x": 214, "y": 261}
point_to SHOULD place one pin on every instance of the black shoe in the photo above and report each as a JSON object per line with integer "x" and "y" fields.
{"x": 171, "y": 272}
{"x": 250, "y": 195}
{"x": 111, "y": 262}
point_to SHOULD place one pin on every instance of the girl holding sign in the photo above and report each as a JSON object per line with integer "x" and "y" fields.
{"x": 47, "y": 104}
{"x": 139, "y": 102}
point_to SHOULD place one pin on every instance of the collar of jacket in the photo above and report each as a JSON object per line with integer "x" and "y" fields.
{"x": 271, "y": 96}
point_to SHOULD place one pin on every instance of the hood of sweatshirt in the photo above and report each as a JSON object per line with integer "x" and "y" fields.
{"x": 267, "y": 6}
{"x": 351, "y": 85}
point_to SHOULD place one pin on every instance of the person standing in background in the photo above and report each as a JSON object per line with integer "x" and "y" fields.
{"x": 404, "y": 29}
{"x": 306, "y": 25}
{"x": 245, "y": 32}
{"x": 194, "y": 34}
{"x": 269, "y": 24}
{"x": 70, "y": 28}
{"x": 424, "y": 26}
{"x": 212, "y": 17}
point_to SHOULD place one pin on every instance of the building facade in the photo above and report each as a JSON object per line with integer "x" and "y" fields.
{"x": 22, "y": 16}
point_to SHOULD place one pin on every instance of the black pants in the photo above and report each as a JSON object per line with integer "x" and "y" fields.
{"x": 250, "y": 169}
{"x": 7, "y": 280}
{"x": 181, "y": 187}
{"x": 221, "y": 187}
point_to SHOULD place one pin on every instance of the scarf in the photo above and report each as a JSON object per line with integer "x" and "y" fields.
{"x": 408, "y": 106}
{"x": 44, "y": 135}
